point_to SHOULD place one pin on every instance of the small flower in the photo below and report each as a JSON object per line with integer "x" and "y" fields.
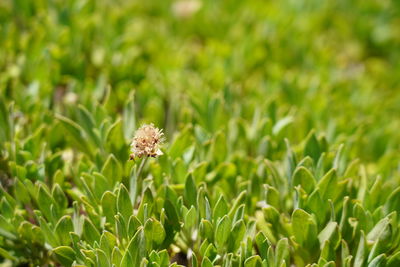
{"x": 71, "y": 98}
{"x": 185, "y": 8}
{"x": 147, "y": 142}
{"x": 67, "y": 155}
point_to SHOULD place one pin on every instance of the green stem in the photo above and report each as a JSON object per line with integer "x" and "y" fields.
{"x": 141, "y": 167}
{"x": 138, "y": 180}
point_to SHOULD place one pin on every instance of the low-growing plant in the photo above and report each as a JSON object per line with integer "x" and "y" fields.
{"x": 279, "y": 146}
{"x": 308, "y": 206}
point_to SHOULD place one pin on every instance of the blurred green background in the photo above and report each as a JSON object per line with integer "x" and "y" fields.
{"x": 227, "y": 80}
{"x": 329, "y": 65}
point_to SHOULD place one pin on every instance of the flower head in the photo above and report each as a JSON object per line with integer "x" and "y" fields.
{"x": 147, "y": 142}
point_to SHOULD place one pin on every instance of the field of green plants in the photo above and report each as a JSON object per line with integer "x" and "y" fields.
{"x": 281, "y": 124}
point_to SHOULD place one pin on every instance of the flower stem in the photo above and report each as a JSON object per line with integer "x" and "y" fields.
{"x": 141, "y": 168}
{"x": 136, "y": 182}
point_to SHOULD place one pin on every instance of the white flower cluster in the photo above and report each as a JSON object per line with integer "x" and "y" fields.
{"x": 147, "y": 142}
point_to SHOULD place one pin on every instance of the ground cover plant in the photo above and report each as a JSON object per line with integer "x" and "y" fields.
{"x": 280, "y": 133}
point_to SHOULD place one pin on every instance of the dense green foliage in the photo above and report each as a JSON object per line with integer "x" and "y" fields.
{"x": 281, "y": 119}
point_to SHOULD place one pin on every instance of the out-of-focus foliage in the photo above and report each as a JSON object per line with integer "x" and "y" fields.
{"x": 282, "y": 121}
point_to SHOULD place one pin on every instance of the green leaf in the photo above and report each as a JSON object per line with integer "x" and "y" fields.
{"x": 144, "y": 262}
{"x": 63, "y": 228}
{"x": 59, "y": 177}
{"x": 45, "y": 200}
{"x": 5, "y": 122}
{"x": 6, "y": 228}
{"x": 114, "y": 140}
{"x": 384, "y": 234}
{"x": 87, "y": 122}
{"x": 220, "y": 209}
{"x": 312, "y": 147}
{"x": 379, "y": 229}
{"x": 331, "y": 232}
{"x": 135, "y": 250}
{"x": 378, "y": 261}
{"x": 222, "y": 231}
{"x": 328, "y": 185}
{"x": 206, "y": 262}
{"x": 133, "y": 225}
{"x": 206, "y": 230}
{"x": 172, "y": 215}
{"x": 345, "y": 252}
{"x": 348, "y": 261}
{"x": 65, "y": 255}
{"x": 101, "y": 258}
{"x": 107, "y": 242}
{"x": 303, "y": 177}
{"x": 101, "y": 185}
{"x": 330, "y": 264}
{"x": 129, "y": 117}
{"x": 203, "y": 205}
{"x": 238, "y": 202}
{"x": 270, "y": 256}
{"x": 393, "y": 201}
{"x": 190, "y": 218}
{"x": 317, "y": 206}
{"x": 180, "y": 143}
{"x": 90, "y": 233}
{"x": 194, "y": 260}
{"x": 394, "y": 260}
{"x": 75, "y": 134}
{"x": 218, "y": 149}
{"x": 282, "y": 252}
{"x": 87, "y": 180}
{"x": 236, "y": 236}
{"x": 133, "y": 185}
{"x": 112, "y": 170}
{"x": 124, "y": 205}
{"x": 154, "y": 231}
{"x": 22, "y": 192}
{"x": 304, "y": 228}
{"x": 6, "y": 255}
{"x": 253, "y": 261}
{"x": 164, "y": 258}
{"x": 108, "y": 203}
{"x": 272, "y": 216}
{"x": 190, "y": 192}
{"x": 120, "y": 227}
{"x": 59, "y": 196}
{"x": 361, "y": 252}
{"x": 282, "y": 124}
{"x": 154, "y": 258}
{"x": 158, "y": 232}
{"x": 116, "y": 256}
{"x": 272, "y": 196}
{"x": 6, "y": 208}
{"x": 327, "y": 251}
{"x": 49, "y": 235}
